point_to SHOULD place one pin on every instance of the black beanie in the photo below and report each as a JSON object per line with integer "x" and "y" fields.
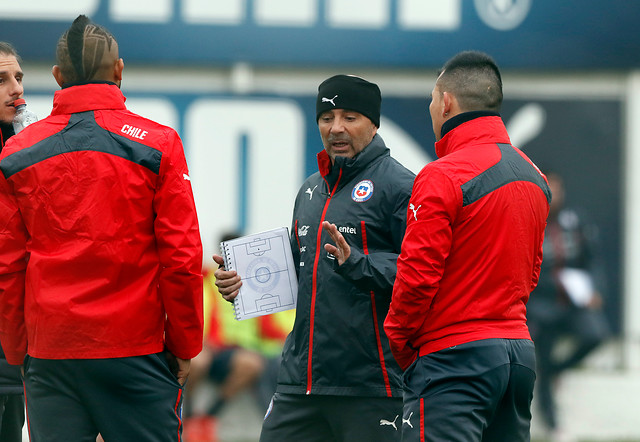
{"x": 352, "y": 93}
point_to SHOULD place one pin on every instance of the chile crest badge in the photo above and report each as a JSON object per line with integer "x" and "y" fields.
{"x": 362, "y": 191}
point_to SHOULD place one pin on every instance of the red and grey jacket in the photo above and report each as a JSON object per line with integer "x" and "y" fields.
{"x": 10, "y": 377}
{"x": 338, "y": 345}
{"x": 473, "y": 245}
{"x": 100, "y": 252}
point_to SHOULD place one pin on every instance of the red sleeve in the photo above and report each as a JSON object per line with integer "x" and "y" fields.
{"x": 432, "y": 208}
{"x": 180, "y": 252}
{"x": 13, "y": 264}
{"x": 537, "y": 261}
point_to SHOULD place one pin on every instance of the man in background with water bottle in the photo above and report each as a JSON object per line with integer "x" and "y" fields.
{"x": 11, "y": 390}
{"x": 10, "y": 88}
{"x": 100, "y": 258}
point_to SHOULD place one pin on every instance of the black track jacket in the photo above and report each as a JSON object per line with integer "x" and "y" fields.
{"x": 338, "y": 345}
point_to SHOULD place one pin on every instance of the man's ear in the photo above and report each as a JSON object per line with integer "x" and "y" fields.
{"x": 117, "y": 70}
{"x": 447, "y": 103}
{"x": 57, "y": 74}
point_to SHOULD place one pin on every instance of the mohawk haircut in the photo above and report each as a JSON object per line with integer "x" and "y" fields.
{"x": 85, "y": 51}
{"x": 474, "y": 78}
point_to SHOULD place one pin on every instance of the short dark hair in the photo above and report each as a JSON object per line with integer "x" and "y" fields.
{"x": 8, "y": 49}
{"x": 80, "y": 53}
{"x": 475, "y": 80}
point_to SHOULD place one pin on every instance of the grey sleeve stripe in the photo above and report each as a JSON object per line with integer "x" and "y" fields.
{"x": 86, "y": 135}
{"x": 511, "y": 167}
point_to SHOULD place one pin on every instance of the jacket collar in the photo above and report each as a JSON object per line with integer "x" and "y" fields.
{"x": 80, "y": 83}
{"x": 86, "y": 97}
{"x": 6, "y": 131}
{"x": 471, "y": 127}
{"x": 351, "y": 166}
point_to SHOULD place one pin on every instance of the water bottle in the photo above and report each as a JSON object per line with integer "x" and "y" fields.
{"x": 23, "y": 116}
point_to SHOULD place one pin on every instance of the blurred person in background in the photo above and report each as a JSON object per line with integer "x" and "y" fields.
{"x": 567, "y": 303}
{"x": 100, "y": 257}
{"x": 11, "y": 388}
{"x": 237, "y": 356}
{"x": 338, "y": 379}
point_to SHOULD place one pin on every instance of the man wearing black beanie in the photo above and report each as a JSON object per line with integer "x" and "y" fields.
{"x": 352, "y": 93}
{"x": 338, "y": 379}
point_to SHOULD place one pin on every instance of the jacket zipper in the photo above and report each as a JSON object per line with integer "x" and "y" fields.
{"x": 314, "y": 285}
{"x": 383, "y": 366}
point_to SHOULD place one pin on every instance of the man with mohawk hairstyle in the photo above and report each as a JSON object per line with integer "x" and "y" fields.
{"x": 87, "y": 51}
{"x": 100, "y": 258}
